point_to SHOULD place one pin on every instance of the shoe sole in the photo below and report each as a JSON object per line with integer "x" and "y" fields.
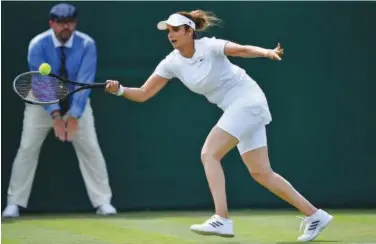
{"x": 321, "y": 229}
{"x": 205, "y": 233}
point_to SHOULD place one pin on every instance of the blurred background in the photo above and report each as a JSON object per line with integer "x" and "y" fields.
{"x": 322, "y": 138}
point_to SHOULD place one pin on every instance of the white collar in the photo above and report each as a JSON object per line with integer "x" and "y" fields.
{"x": 57, "y": 43}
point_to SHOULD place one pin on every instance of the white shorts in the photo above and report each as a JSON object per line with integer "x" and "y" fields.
{"x": 247, "y": 124}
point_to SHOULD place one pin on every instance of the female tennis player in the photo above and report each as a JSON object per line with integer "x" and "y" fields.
{"x": 202, "y": 65}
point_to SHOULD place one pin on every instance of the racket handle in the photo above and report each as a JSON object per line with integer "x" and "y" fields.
{"x": 98, "y": 85}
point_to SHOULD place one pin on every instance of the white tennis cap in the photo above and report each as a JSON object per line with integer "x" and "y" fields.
{"x": 176, "y": 20}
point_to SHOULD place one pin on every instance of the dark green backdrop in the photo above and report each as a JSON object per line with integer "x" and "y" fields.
{"x": 321, "y": 96}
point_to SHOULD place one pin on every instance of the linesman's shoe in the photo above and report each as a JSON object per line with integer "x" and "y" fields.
{"x": 11, "y": 211}
{"x": 106, "y": 209}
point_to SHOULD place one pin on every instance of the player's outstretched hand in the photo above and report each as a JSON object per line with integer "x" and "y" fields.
{"x": 276, "y": 53}
{"x": 112, "y": 86}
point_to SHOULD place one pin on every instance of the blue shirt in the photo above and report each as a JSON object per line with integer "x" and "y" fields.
{"x": 81, "y": 63}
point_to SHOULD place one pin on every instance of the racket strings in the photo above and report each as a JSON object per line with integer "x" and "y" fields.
{"x": 35, "y": 87}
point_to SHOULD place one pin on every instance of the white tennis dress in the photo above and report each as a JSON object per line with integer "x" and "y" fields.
{"x": 211, "y": 74}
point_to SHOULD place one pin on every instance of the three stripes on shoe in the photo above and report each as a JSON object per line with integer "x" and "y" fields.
{"x": 216, "y": 224}
{"x": 314, "y": 225}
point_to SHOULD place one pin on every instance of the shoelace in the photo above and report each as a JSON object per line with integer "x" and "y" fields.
{"x": 212, "y": 219}
{"x": 305, "y": 221}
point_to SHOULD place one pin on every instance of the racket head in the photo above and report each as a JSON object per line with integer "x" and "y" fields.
{"x": 39, "y": 89}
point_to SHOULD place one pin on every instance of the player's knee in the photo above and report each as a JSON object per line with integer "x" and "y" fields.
{"x": 208, "y": 156}
{"x": 205, "y": 156}
{"x": 263, "y": 176}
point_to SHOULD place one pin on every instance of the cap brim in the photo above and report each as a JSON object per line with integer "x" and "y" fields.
{"x": 162, "y": 25}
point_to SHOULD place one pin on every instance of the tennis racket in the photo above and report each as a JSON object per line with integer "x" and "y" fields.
{"x": 39, "y": 89}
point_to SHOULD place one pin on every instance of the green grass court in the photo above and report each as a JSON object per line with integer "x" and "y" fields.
{"x": 251, "y": 226}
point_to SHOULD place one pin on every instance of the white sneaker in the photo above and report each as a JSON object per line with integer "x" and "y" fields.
{"x": 106, "y": 209}
{"x": 314, "y": 225}
{"x": 216, "y": 225}
{"x": 11, "y": 211}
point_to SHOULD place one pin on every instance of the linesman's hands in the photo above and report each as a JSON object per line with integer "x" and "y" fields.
{"x": 59, "y": 126}
{"x": 276, "y": 53}
{"x": 71, "y": 127}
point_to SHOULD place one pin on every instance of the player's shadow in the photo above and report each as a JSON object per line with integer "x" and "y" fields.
{"x": 234, "y": 241}
{"x": 315, "y": 241}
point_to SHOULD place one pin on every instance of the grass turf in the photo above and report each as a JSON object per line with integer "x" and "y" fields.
{"x": 173, "y": 227}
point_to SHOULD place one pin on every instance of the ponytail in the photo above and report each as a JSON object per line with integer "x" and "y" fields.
{"x": 203, "y": 19}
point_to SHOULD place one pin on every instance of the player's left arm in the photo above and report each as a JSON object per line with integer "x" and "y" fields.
{"x": 86, "y": 74}
{"x": 248, "y": 51}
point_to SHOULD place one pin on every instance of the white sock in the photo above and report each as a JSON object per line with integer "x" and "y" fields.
{"x": 222, "y": 219}
{"x": 315, "y": 213}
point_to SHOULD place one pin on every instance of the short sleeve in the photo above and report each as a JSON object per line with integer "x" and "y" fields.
{"x": 164, "y": 69}
{"x": 217, "y": 46}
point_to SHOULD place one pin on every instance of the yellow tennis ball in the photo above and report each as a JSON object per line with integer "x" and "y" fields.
{"x": 45, "y": 69}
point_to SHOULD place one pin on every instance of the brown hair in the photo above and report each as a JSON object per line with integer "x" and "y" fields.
{"x": 203, "y": 19}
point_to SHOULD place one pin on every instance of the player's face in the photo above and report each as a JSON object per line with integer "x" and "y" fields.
{"x": 179, "y": 36}
{"x": 64, "y": 29}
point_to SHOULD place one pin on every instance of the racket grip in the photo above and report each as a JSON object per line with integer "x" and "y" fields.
{"x": 98, "y": 85}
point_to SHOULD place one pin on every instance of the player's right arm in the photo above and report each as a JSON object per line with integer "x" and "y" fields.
{"x": 161, "y": 75}
{"x": 149, "y": 89}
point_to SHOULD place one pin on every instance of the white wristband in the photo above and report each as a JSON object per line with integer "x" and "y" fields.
{"x": 120, "y": 92}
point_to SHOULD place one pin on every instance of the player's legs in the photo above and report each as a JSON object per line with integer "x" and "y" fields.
{"x": 36, "y": 125}
{"x": 236, "y": 119}
{"x": 254, "y": 152}
{"x": 216, "y": 146}
{"x": 257, "y": 162}
{"x": 91, "y": 161}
